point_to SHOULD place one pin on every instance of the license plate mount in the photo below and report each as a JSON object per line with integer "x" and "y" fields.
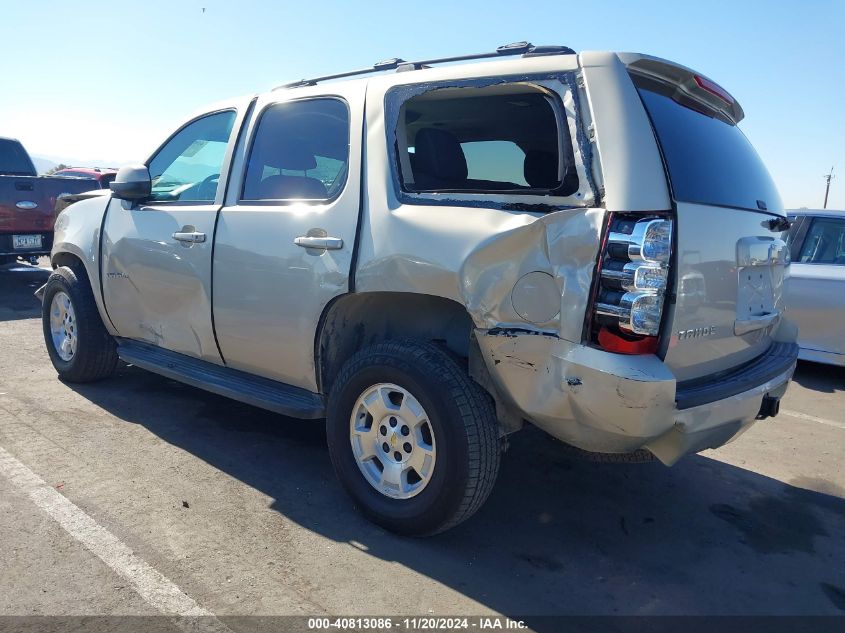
{"x": 21, "y": 242}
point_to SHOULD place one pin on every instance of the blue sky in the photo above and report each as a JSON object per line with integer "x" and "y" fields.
{"x": 107, "y": 81}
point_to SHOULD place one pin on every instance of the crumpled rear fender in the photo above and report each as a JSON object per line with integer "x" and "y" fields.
{"x": 563, "y": 244}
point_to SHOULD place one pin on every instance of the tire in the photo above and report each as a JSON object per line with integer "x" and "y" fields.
{"x": 462, "y": 431}
{"x": 95, "y": 353}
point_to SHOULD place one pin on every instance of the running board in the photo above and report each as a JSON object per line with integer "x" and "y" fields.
{"x": 225, "y": 381}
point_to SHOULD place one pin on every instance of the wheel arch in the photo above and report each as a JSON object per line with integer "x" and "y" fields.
{"x": 69, "y": 259}
{"x": 355, "y": 320}
{"x": 70, "y": 255}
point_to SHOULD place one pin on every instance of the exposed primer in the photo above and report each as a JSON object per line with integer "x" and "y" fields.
{"x": 518, "y": 331}
{"x": 585, "y": 147}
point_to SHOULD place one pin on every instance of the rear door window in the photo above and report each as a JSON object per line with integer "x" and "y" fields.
{"x": 300, "y": 151}
{"x": 709, "y": 159}
{"x": 825, "y": 242}
{"x": 485, "y": 140}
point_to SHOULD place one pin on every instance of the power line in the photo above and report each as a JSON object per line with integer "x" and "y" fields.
{"x": 828, "y": 177}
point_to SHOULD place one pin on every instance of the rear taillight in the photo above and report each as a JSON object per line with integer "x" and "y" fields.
{"x": 633, "y": 275}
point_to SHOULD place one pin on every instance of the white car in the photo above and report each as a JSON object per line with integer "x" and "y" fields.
{"x": 815, "y": 292}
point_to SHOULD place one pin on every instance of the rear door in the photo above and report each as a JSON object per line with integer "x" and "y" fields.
{"x": 815, "y": 295}
{"x": 730, "y": 259}
{"x": 286, "y": 235}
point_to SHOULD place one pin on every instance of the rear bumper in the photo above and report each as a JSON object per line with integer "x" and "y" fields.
{"x": 611, "y": 403}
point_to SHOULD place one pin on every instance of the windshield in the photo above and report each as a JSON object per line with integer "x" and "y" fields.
{"x": 710, "y": 161}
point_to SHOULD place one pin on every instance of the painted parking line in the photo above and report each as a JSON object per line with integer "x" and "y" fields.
{"x": 157, "y": 590}
{"x": 812, "y": 418}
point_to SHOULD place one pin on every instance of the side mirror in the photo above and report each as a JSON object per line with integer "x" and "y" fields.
{"x": 132, "y": 183}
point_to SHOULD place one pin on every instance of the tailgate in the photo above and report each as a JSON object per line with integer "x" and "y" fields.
{"x": 27, "y": 203}
{"x": 729, "y": 260}
{"x": 729, "y": 289}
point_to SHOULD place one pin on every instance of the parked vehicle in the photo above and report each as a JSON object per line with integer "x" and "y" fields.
{"x": 27, "y": 203}
{"x": 815, "y": 289}
{"x": 101, "y": 176}
{"x": 430, "y": 258}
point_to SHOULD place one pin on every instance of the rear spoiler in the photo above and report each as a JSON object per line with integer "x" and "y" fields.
{"x": 690, "y": 83}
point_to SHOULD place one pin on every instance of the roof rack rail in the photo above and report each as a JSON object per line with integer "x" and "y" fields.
{"x": 526, "y": 49}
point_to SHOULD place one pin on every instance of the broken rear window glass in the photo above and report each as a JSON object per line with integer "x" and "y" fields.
{"x": 500, "y": 139}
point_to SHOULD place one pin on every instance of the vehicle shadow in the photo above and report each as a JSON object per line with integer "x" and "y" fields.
{"x": 819, "y": 377}
{"x": 17, "y": 283}
{"x": 557, "y": 536}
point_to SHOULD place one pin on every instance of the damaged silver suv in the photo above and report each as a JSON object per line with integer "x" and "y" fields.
{"x": 430, "y": 258}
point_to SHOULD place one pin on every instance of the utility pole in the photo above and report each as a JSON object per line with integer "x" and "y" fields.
{"x": 828, "y": 177}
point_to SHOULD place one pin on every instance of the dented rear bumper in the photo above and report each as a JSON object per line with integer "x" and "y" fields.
{"x": 612, "y": 403}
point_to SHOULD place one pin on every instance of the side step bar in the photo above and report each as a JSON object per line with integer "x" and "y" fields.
{"x": 225, "y": 381}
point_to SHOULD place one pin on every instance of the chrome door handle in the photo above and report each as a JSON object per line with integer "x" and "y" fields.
{"x": 758, "y": 322}
{"x": 327, "y": 243}
{"x": 194, "y": 237}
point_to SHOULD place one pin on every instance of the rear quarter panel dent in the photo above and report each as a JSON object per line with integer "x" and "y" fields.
{"x": 563, "y": 244}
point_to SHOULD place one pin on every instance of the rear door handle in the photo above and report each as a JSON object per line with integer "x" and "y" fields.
{"x": 327, "y": 243}
{"x": 757, "y": 322}
{"x": 194, "y": 237}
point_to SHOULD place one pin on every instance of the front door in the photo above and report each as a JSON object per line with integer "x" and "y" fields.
{"x": 157, "y": 254}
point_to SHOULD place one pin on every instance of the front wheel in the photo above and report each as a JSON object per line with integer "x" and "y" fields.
{"x": 412, "y": 437}
{"x": 77, "y": 341}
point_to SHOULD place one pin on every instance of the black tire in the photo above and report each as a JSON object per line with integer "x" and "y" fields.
{"x": 462, "y": 418}
{"x": 96, "y": 352}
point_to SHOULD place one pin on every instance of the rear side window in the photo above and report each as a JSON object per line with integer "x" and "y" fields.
{"x": 485, "y": 140}
{"x": 710, "y": 161}
{"x": 825, "y": 242}
{"x": 300, "y": 151}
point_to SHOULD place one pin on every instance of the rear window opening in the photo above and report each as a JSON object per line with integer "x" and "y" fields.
{"x": 14, "y": 161}
{"x": 709, "y": 159}
{"x": 496, "y": 139}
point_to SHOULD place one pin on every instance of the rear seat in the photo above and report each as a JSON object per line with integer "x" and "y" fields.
{"x": 439, "y": 163}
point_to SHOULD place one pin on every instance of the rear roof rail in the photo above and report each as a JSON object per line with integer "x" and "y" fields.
{"x": 526, "y": 49}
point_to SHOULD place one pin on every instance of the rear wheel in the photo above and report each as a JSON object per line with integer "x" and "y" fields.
{"x": 412, "y": 438}
{"x": 79, "y": 346}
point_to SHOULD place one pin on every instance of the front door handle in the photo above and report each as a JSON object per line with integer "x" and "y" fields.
{"x": 193, "y": 237}
{"x": 327, "y": 243}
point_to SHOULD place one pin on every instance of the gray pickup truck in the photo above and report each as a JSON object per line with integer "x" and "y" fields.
{"x": 28, "y": 203}
{"x": 431, "y": 258}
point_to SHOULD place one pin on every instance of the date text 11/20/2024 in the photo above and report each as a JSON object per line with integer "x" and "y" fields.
{"x": 482, "y": 623}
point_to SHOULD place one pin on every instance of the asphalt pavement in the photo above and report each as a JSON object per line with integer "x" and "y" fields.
{"x": 139, "y": 494}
